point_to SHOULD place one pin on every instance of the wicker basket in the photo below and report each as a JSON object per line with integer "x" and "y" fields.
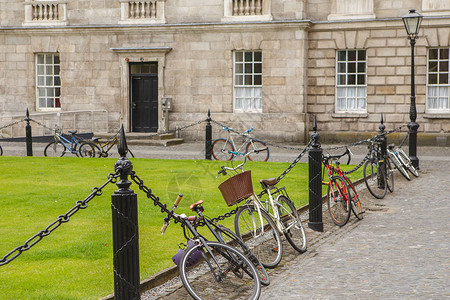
{"x": 237, "y": 188}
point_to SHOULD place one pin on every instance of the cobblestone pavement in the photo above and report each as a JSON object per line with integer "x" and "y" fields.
{"x": 400, "y": 250}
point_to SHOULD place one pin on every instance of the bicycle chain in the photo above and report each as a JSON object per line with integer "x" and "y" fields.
{"x": 82, "y": 204}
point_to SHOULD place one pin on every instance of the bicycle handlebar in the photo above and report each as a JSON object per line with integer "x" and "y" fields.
{"x": 167, "y": 219}
{"x": 241, "y": 165}
{"x": 347, "y": 152}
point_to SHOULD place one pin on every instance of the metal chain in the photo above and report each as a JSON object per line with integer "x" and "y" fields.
{"x": 43, "y": 125}
{"x": 289, "y": 168}
{"x": 82, "y": 204}
{"x": 220, "y": 218}
{"x": 358, "y": 166}
{"x": 11, "y": 124}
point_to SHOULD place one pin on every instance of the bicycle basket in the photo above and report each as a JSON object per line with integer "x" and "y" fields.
{"x": 237, "y": 188}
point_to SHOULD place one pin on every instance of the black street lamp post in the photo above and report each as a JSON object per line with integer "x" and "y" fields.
{"x": 412, "y": 24}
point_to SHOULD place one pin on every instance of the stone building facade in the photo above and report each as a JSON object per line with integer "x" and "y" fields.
{"x": 267, "y": 64}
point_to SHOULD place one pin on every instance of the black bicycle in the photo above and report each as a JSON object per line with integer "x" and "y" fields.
{"x": 210, "y": 268}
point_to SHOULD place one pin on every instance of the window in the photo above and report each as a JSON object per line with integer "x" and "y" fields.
{"x": 438, "y": 80}
{"x": 48, "y": 81}
{"x": 248, "y": 81}
{"x": 351, "y": 88}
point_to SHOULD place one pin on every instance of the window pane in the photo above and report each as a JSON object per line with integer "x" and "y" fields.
{"x": 433, "y": 66}
{"x": 248, "y": 68}
{"x": 258, "y": 56}
{"x": 257, "y": 68}
{"x": 352, "y": 67}
{"x": 351, "y": 79}
{"x": 362, "y": 55}
{"x": 361, "y": 79}
{"x": 49, "y": 70}
{"x": 443, "y": 54}
{"x": 443, "y": 78}
{"x": 341, "y": 80}
{"x": 41, "y": 70}
{"x": 341, "y": 68}
{"x": 57, "y": 81}
{"x": 56, "y": 59}
{"x": 41, "y": 80}
{"x": 239, "y": 68}
{"x": 361, "y": 67}
{"x": 433, "y": 54}
{"x": 248, "y": 80}
{"x": 49, "y": 80}
{"x": 432, "y": 78}
{"x": 49, "y": 59}
{"x": 239, "y": 56}
{"x": 342, "y": 55}
{"x": 40, "y": 59}
{"x": 248, "y": 56}
{"x": 258, "y": 79}
{"x": 443, "y": 66}
{"x": 239, "y": 80}
{"x": 42, "y": 102}
{"x": 351, "y": 55}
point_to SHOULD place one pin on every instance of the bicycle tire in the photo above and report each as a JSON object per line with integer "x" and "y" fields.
{"x": 1, "y": 151}
{"x": 54, "y": 149}
{"x": 407, "y": 162}
{"x": 88, "y": 149}
{"x": 374, "y": 179}
{"x": 355, "y": 202}
{"x": 258, "y": 156}
{"x": 205, "y": 281}
{"x": 221, "y": 149}
{"x": 389, "y": 176}
{"x": 398, "y": 165}
{"x": 263, "y": 239}
{"x": 240, "y": 245}
{"x": 338, "y": 200}
{"x": 131, "y": 153}
{"x": 295, "y": 232}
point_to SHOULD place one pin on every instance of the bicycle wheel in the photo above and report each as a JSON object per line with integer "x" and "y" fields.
{"x": 236, "y": 242}
{"x": 295, "y": 233}
{"x": 355, "y": 202}
{"x": 88, "y": 149}
{"x": 398, "y": 165}
{"x": 54, "y": 149}
{"x": 389, "y": 176}
{"x": 260, "y": 155}
{"x": 131, "y": 153}
{"x": 338, "y": 200}
{"x": 224, "y": 273}
{"x": 1, "y": 151}
{"x": 407, "y": 162}
{"x": 263, "y": 239}
{"x": 221, "y": 149}
{"x": 375, "y": 179}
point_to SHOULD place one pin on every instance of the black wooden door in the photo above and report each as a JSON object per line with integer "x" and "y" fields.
{"x": 144, "y": 103}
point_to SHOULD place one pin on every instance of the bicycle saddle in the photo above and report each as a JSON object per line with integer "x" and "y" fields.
{"x": 95, "y": 139}
{"x": 269, "y": 182}
{"x": 194, "y": 205}
{"x": 72, "y": 131}
{"x": 391, "y": 146}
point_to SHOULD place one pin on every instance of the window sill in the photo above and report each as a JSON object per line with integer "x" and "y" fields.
{"x": 350, "y": 115}
{"x": 240, "y": 111}
{"x": 437, "y": 115}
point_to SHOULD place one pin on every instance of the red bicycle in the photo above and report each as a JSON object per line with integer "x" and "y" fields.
{"x": 342, "y": 197}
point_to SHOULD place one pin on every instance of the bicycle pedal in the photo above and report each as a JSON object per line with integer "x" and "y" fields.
{"x": 275, "y": 249}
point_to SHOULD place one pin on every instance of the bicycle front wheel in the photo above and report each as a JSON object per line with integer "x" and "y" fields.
{"x": 260, "y": 234}
{"x": 389, "y": 176}
{"x": 1, "y": 151}
{"x": 375, "y": 179}
{"x": 221, "y": 149}
{"x": 240, "y": 245}
{"x": 398, "y": 165}
{"x": 407, "y": 162}
{"x": 355, "y": 203}
{"x": 89, "y": 150}
{"x": 294, "y": 231}
{"x": 54, "y": 149}
{"x": 262, "y": 151}
{"x": 338, "y": 200}
{"x": 223, "y": 273}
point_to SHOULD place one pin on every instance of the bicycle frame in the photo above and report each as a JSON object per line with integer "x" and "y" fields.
{"x": 247, "y": 136}
{"x": 65, "y": 142}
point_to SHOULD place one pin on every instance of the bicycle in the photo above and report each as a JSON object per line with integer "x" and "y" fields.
{"x": 102, "y": 148}
{"x": 402, "y": 161}
{"x": 259, "y": 225}
{"x": 225, "y": 149}
{"x": 342, "y": 197}
{"x": 207, "y": 267}
{"x": 61, "y": 145}
{"x": 378, "y": 171}
{"x": 1, "y": 151}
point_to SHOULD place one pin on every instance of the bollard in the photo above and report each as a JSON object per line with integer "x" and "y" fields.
{"x": 125, "y": 230}
{"x": 383, "y": 149}
{"x": 315, "y": 181}
{"x": 208, "y": 139}
{"x": 28, "y": 140}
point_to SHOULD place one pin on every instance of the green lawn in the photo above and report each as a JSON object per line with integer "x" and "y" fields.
{"x": 75, "y": 261}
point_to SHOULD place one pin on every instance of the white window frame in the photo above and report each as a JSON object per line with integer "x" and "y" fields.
{"x": 47, "y": 87}
{"x": 252, "y": 92}
{"x": 360, "y": 90}
{"x": 442, "y": 92}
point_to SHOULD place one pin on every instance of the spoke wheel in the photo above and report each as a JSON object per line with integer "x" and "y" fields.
{"x": 398, "y": 165}
{"x": 89, "y": 150}
{"x": 389, "y": 176}
{"x": 338, "y": 200}
{"x": 221, "y": 150}
{"x": 1, "y": 151}
{"x": 223, "y": 273}
{"x": 407, "y": 162}
{"x": 355, "y": 202}
{"x": 235, "y": 241}
{"x": 263, "y": 239}
{"x": 260, "y": 155}
{"x": 374, "y": 179}
{"x": 295, "y": 233}
{"x": 54, "y": 149}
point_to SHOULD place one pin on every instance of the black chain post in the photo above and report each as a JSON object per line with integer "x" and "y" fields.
{"x": 315, "y": 181}
{"x": 29, "y": 140}
{"x": 208, "y": 140}
{"x": 383, "y": 150}
{"x": 125, "y": 230}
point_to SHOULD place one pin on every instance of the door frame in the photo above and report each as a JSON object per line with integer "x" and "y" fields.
{"x": 127, "y": 55}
